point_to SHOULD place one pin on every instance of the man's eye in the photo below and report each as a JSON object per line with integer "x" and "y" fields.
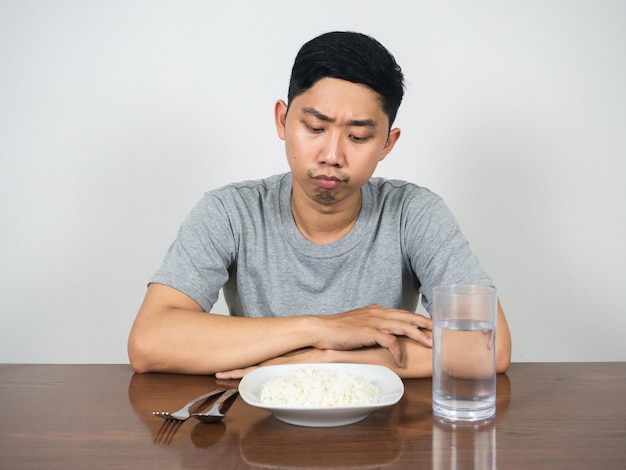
{"x": 314, "y": 130}
{"x": 358, "y": 139}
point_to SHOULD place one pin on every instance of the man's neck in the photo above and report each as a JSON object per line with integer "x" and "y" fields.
{"x": 324, "y": 224}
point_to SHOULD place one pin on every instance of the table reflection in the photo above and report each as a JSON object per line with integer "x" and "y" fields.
{"x": 394, "y": 437}
{"x": 378, "y": 444}
{"x": 459, "y": 444}
{"x": 455, "y": 445}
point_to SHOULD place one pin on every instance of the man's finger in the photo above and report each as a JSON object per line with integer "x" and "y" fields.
{"x": 391, "y": 343}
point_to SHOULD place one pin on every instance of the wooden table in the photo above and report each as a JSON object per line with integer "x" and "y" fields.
{"x": 556, "y": 415}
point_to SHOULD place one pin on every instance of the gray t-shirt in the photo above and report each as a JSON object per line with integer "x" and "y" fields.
{"x": 242, "y": 237}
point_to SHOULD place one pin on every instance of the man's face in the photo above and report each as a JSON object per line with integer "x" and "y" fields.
{"x": 335, "y": 134}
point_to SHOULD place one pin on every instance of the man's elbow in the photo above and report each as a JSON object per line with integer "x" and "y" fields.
{"x": 139, "y": 355}
{"x": 504, "y": 344}
{"x": 503, "y": 358}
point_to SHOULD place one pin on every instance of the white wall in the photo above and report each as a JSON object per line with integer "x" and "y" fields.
{"x": 115, "y": 116}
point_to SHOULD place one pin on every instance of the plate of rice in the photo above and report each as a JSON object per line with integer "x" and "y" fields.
{"x": 321, "y": 395}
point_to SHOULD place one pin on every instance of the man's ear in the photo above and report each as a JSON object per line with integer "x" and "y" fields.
{"x": 280, "y": 118}
{"x": 394, "y": 135}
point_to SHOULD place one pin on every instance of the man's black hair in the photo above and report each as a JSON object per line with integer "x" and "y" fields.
{"x": 350, "y": 56}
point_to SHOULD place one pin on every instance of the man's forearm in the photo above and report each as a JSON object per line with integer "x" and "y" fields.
{"x": 184, "y": 339}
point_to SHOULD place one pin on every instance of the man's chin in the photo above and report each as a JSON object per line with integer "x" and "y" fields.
{"x": 325, "y": 197}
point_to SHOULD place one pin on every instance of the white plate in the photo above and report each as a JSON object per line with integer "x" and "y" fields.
{"x": 389, "y": 383}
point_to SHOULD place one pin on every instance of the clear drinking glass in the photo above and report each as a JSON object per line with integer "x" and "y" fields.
{"x": 464, "y": 352}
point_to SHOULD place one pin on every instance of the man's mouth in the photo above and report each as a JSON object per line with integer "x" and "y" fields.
{"x": 328, "y": 182}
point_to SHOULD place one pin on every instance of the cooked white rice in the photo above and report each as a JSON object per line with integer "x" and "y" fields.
{"x": 319, "y": 387}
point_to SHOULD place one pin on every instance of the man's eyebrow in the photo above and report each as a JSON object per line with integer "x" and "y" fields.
{"x": 316, "y": 114}
{"x": 354, "y": 122}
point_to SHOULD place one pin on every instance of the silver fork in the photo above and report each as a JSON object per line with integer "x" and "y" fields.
{"x": 174, "y": 420}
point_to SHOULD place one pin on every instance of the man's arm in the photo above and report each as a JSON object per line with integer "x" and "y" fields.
{"x": 417, "y": 357}
{"x": 172, "y": 334}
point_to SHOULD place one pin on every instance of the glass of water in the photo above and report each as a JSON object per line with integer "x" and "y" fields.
{"x": 464, "y": 352}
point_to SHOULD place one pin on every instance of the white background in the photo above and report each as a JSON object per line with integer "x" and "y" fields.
{"x": 115, "y": 117}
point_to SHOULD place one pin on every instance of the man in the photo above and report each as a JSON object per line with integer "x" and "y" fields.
{"x": 322, "y": 264}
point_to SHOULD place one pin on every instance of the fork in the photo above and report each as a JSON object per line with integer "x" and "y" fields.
{"x": 219, "y": 408}
{"x": 174, "y": 420}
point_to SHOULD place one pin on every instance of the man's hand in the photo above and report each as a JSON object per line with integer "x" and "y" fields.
{"x": 371, "y": 326}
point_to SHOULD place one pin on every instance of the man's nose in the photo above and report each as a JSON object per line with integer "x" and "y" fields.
{"x": 332, "y": 153}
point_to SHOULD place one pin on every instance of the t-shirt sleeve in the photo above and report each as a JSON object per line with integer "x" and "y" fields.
{"x": 197, "y": 263}
{"x": 438, "y": 251}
